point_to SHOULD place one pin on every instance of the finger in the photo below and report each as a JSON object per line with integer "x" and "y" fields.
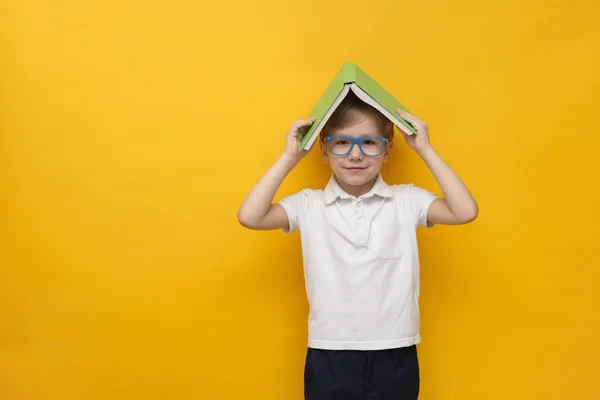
{"x": 413, "y": 120}
{"x": 304, "y": 122}
{"x": 299, "y": 133}
{"x": 409, "y": 117}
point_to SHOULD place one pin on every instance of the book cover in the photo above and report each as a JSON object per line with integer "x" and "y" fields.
{"x": 351, "y": 77}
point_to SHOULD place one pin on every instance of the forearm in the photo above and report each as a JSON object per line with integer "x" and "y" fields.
{"x": 259, "y": 200}
{"x": 458, "y": 198}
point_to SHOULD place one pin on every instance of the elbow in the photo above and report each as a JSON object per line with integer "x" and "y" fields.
{"x": 245, "y": 220}
{"x": 470, "y": 215}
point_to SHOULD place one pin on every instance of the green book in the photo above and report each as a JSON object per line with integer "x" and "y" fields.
{"x": 353, "y": 78}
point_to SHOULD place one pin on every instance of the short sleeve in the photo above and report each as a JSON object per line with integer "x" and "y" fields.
{"x": 295, "y": 207}
{"x": 420, "y": 200}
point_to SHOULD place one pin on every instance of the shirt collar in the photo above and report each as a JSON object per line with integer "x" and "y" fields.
{"x": 333, "y": 190}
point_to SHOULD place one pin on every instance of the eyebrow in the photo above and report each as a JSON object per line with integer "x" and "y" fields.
{"x": 360, "y": 135}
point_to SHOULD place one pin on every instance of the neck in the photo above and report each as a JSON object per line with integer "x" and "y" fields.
{"x": 359, "y": 190}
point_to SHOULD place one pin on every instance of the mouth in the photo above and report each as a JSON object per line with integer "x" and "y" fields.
{"x": 356, "y": 169}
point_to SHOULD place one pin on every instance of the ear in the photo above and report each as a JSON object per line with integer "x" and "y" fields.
{"x": 388, "y": 149}
{"x": 324, "y": 151}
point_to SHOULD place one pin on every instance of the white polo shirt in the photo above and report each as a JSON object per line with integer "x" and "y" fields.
{"x": 361, "y": 264}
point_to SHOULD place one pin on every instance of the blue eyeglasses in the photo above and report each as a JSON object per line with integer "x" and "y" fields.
{"x": 370, "y": 146}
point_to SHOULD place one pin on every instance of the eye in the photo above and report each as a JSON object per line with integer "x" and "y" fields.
{"x": 369, "y": 142}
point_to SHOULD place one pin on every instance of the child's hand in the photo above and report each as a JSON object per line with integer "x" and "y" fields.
{"x": 294, "y": 136}
{"x": 420, "y": 141}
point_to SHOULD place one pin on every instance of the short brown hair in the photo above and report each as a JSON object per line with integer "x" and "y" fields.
{"x": 351, "y": 111}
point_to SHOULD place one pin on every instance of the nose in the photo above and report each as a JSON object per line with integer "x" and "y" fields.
{"x": 355, "y": 153}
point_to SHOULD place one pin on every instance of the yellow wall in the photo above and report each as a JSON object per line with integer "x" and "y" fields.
{"x": 125, "y": 151}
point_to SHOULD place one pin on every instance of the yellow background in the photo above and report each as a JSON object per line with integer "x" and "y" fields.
{"x": 132, "y": 131}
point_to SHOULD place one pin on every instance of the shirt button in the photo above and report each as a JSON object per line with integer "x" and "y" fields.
{"x": 358, "y": 206}
{"x": 359, "y": 222}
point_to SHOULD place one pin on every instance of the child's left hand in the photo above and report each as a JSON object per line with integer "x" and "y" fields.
{"x": 419, "y": 141}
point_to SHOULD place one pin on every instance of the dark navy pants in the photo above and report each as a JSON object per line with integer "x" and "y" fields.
{"x": 362, "y": 375}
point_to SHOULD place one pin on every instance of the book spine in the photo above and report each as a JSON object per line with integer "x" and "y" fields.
{"x": 350, "y": 72}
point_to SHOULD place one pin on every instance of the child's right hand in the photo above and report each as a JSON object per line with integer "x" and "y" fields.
{"x": 294, "y": 136}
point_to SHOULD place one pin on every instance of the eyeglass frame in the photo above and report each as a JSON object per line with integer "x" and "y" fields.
{"x": 356, "y": 141}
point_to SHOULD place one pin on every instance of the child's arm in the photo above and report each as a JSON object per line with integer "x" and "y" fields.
{"x": 458, "y": 205}
{"x": 257, "y": 211}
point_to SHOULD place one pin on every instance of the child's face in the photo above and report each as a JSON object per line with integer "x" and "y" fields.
{"x": 357, "y": 169}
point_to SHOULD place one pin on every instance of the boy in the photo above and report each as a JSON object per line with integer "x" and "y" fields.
{"x": 360, "y": 252}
